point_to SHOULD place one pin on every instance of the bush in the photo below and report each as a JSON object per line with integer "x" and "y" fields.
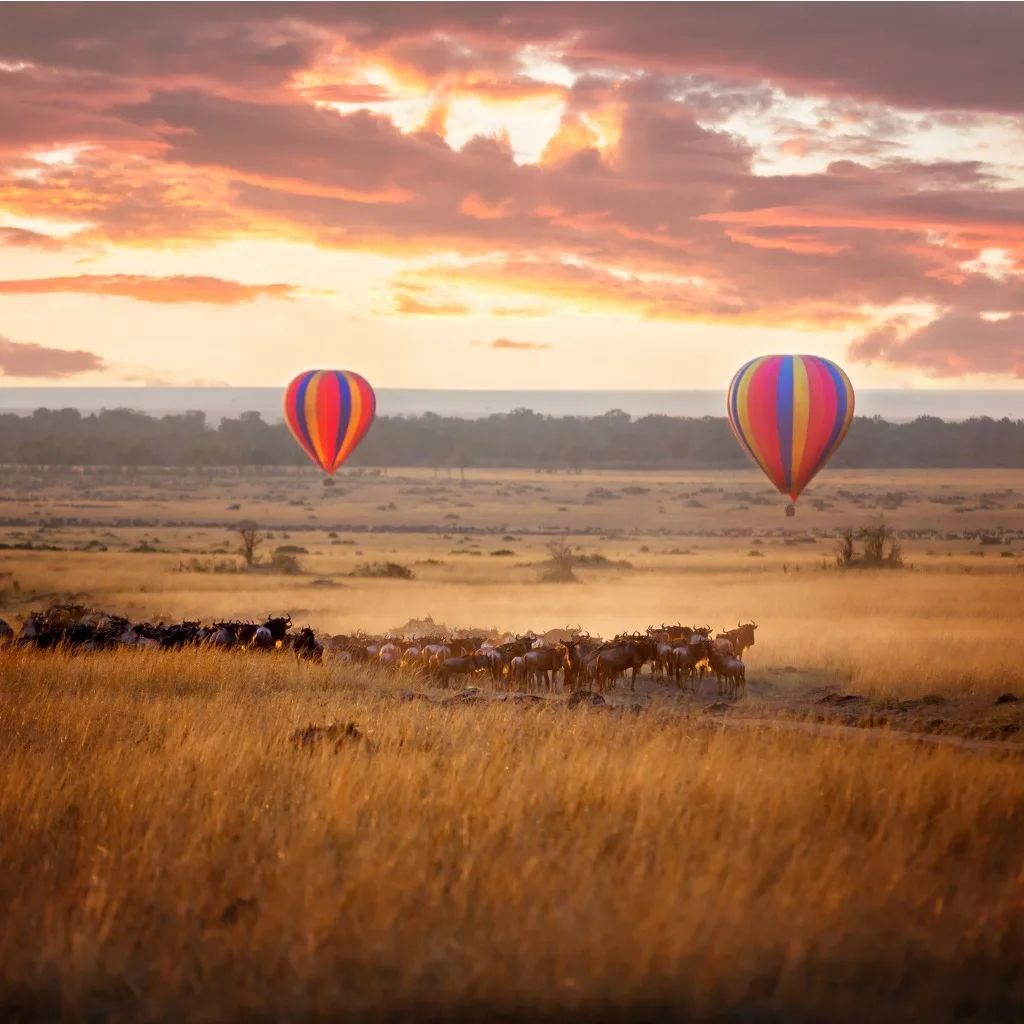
{"x": 209, "y": 565}
{"x": 383, "y": 570}
{"x": 559, "y": 565}
{"x": 286, "y": 563}
{"x": 881, "y": 548}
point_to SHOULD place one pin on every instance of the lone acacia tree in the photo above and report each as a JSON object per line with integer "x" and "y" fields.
{"x": 250, "y": 539}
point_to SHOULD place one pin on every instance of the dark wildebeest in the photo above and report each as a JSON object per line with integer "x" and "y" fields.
{"x": 465, "y": 645}
{"x": 6, "y": 634}
{"x": 542, "y": 664}
{"x": 268, "y": 637}
{"x": 741, "y": 637}
{"x": 681, "y": 632}
{"x": 181, "y": 635}
{"x": 463, "y": 665}
{"x": 623, "y": 655}
{"x": 305, "y": 645}
{"x": 578, "y": 666}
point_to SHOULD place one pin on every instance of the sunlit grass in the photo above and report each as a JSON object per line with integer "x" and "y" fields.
{"x": 165, "y": 846}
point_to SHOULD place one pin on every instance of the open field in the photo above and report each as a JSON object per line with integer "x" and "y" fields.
{"x": 172, "y": 854}
{"x": 169, "y": 851}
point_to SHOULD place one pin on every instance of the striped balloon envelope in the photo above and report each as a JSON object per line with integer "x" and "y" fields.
{"x": 790, "y": 413}
{"x": 329, "y": 413}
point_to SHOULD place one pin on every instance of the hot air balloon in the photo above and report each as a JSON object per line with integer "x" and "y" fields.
{"x": 328, "y": 413}
{"x": 790, "y": 413}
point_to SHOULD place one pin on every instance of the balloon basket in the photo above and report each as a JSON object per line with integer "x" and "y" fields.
{"x": 791, "y": 510}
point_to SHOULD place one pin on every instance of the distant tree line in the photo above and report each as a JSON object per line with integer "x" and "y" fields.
{"x": 521, "y": 438}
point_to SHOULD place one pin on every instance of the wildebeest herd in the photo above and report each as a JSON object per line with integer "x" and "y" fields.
{"x": 677, "y": 654}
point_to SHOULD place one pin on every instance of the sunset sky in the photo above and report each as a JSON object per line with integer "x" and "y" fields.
{"x": 510, "y": 195}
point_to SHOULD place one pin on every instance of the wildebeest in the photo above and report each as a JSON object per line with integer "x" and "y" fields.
{"x": 542, "y": 665}
{"x": 262, "y": 639}
{"x": 433, "y": 656}
{"x": 679, "y": 651}
{"x": 390, "y": 655}
{"x": 741, "y": 637}
{"x": 730, "y": 673}
{"x": 224, "y": 635}
{"x": 517, "y": 670}
{"x": 623, "y": 655}
{"x": 305, "y": 645}
{"x": 579, "y": 660}
{"x": 688, "y": 660}
{"x": 461, "y": 665}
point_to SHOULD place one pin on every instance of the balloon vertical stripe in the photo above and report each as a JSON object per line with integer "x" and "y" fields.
{"x": 344, "y": 416}
{"x": 790, "y": 413}
{"x": 784, "y": 413}
{"x": 355, "y": 397}
{"x": 294, "y": 399}
{"x": 329, "y": 413}
{"x": 801, "y": 417}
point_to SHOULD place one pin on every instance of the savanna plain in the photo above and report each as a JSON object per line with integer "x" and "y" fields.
{"x": 844, "y": 841}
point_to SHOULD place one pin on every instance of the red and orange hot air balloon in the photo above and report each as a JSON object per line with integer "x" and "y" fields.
{"x": 790, "y": 413}
{"x": 329, "y": 413}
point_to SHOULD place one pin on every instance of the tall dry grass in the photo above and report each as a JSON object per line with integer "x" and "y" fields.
{"x": 166, "y": 853}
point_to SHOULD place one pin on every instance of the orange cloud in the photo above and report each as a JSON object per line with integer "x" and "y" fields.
{"x": 524, "y": 311}
{"x": 573, "y": 136}
{"x": 180, "y": 288}
{"x": 518, "y": 346}
{"x": 591, "y": 289}
{"x": 478, "y": 207}
{"x": 409, "y": 305}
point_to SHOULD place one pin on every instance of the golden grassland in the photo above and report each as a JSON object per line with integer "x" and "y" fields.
{"x": 168, "y": 853}
{"x": 165, "y": 852}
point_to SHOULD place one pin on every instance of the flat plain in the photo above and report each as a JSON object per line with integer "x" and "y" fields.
{"x": 172, "y": 854}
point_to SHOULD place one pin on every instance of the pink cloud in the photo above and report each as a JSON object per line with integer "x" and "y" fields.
{"x": 955, "y": 344}
{"x": 26, "y": 359}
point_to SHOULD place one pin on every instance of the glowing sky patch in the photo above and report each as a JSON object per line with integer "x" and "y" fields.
{"x": 691, "y": 189}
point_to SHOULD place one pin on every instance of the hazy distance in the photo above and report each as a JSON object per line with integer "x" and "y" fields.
{"x": 221, "y": 402}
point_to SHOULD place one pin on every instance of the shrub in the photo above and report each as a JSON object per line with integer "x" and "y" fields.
{"x": 383, "y": 570}
{"x": 216, "y": 566}
{"x": 286, "y": 563}
{"x": 559, "y": 565}
{"x": 881, "y": 548}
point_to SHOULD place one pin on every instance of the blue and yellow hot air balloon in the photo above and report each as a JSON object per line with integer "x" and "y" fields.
{"x": 790, "y": 413}
{"x": 329, "y": 413}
